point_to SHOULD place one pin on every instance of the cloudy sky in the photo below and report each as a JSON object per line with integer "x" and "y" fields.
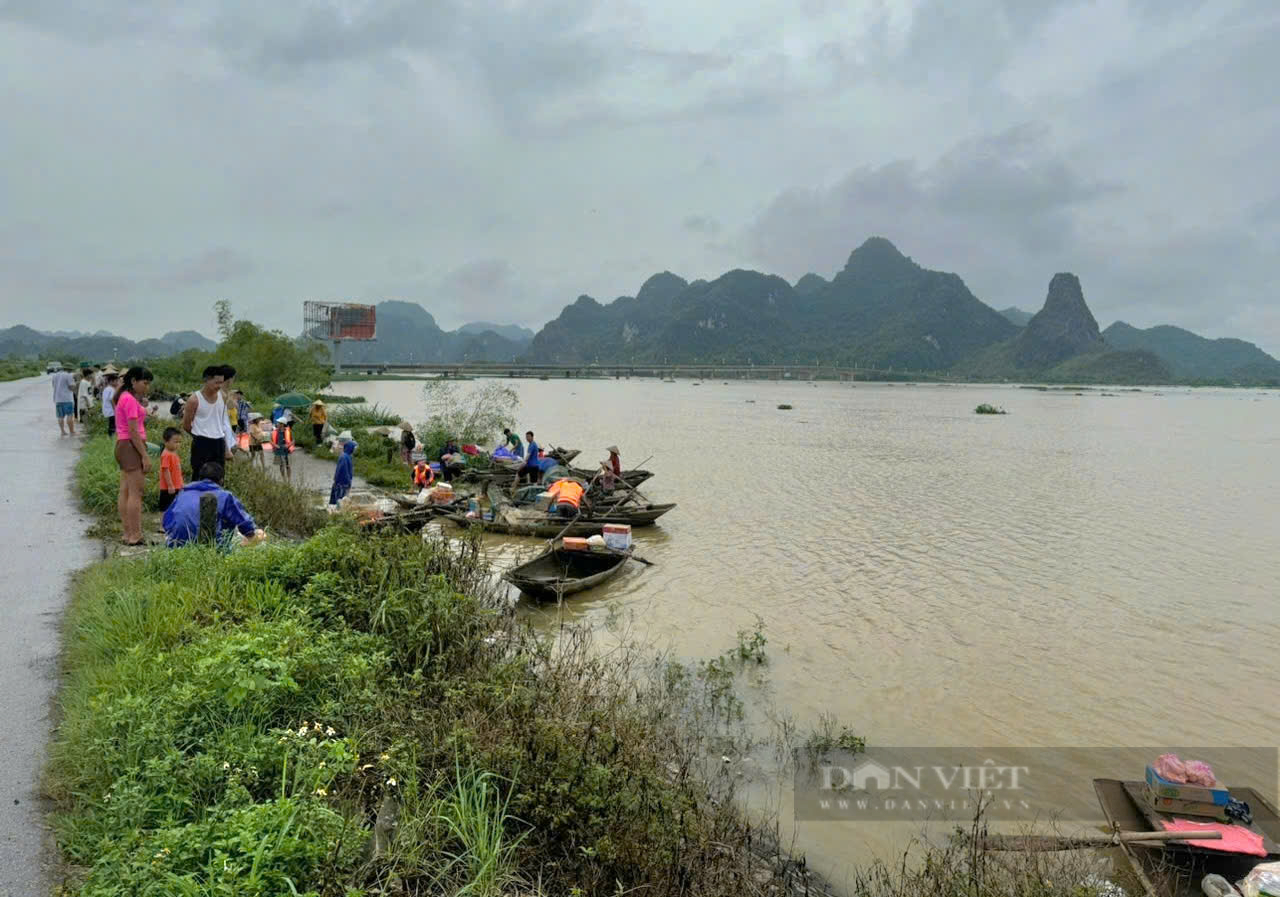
{"x": 493, "y": 160}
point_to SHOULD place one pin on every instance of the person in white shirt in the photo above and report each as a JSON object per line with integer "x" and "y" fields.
{"x": 84, "y": 394}
{"x": 205, "y": 418}
{"x": 110, "y": 383}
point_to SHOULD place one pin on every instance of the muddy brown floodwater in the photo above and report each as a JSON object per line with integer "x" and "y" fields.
{"x": 1087, "y": 570}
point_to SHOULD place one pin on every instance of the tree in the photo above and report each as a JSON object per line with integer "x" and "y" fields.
{"x": 226, "y": 321}
{"x": 470, "y": 415}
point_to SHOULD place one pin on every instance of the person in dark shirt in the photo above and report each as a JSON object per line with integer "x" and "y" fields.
{"x": 408, "y": 442}
{"x": 531, "y": 468}
{"x": 448, "y": 458}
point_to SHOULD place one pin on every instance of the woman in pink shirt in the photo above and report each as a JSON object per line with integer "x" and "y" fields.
{"x": 131, "y": 450}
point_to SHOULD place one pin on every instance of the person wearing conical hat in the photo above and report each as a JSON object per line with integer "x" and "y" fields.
{"x": 319, "y": 417}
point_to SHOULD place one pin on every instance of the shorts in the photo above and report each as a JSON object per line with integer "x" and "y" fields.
{"x": 65, "y": 409}
{"x": 282, "y": 460}
{"x": 255, "y": 447}
{"x": 127, "y": 457}
{"x": 111, "y": 425}
{"x": 166, "y": 499}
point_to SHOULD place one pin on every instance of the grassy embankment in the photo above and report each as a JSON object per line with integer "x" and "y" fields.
{"x": 18, "y": 368}
{"x": 360, "y": 714}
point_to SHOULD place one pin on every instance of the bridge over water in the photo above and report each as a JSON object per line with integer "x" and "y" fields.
{"x": 657, "y": 371}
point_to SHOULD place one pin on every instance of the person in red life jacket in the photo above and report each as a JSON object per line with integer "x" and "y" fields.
{"x": 423, "y": 475}
{"x": 568, "y": 497}
{"x": 282, "y": 445}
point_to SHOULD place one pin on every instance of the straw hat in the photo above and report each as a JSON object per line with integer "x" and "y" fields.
{"x": 613, "y": 450}
{"x": 318, "y": 402}
{"x": 110, "y": 369}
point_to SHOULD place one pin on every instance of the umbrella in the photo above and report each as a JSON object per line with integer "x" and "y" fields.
{"x": 293, "y": 400}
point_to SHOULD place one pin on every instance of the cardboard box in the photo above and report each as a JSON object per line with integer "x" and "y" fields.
{"x": 1185, "y": 807}
{"x": 617, "y": 536}
{"x": 575, "y": 543}
{"x": 1178, "y": 791}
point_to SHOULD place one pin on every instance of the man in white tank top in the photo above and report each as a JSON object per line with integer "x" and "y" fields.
{"x": 205, "y": 418}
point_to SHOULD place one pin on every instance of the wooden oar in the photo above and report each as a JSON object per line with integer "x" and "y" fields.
{"x": 1052, "y": 842}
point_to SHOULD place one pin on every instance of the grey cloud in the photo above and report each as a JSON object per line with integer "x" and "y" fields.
{"x": 210, "y": 267}
{"x": 702, "y": 224}
{"x": 1009, "y": 192}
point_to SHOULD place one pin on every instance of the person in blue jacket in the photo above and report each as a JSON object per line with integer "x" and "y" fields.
{"x": 531, "y": 468}
{"x": 342, "y": 476}
{"x": 182, "y": 519}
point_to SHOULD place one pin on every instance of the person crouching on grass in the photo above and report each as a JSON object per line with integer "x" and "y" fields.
{"x": 182, "y": 520}
{"x": 343, "y": 475}
{"x": 170, "y": 468}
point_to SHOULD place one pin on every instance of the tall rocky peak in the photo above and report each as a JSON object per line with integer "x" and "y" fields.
{"x": 877, "y": 257}
{"x": 1062, "y": 329}
{"x": 810, "y": 284}
{"x": 661, "y": 287}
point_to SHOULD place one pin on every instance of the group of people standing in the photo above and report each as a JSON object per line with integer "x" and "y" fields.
{"x": 213, "y": 417}
{"x": 74, "y": 394}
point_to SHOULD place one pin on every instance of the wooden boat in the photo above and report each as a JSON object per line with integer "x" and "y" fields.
{"x": 543, "y": 530}
{"x": 563, "y": 455}
{"x": 1178, "y": 867}
{"x": 633, "y": 478}
{"x": 557, "y": 572}
{"x": 634, "y": 514}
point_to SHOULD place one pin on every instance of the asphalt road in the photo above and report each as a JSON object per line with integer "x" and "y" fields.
{"x": 43, "y": 544}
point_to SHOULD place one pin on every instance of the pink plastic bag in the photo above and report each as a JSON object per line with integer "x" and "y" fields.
{"x": 1200, "y": 773}
{"x": 1191, "y": 772}
{"x": 1170, "y": 768}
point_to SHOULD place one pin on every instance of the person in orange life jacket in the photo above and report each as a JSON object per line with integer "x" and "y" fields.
{"x": 282, "y": 445}
{"x": 423, "y": 475}
{"x": 568, "y": 497}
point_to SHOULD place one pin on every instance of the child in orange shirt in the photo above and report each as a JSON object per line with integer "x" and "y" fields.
{"x": 170, "y": 468}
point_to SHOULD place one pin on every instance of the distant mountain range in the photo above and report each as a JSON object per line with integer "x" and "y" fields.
{"x": 407, "y": 333}
{"x": 881, "y": 310}
{"x": 512, "y": 332}
{"x": 1017, "y": 316}
{"x": 24, "y": 342}
{"x": 1193, "y": 357}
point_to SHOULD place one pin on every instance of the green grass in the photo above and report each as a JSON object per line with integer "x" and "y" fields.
{"x": 353, "y": 417}
{"x": 17, "y": 368}
{"x": 174, "y": 769}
